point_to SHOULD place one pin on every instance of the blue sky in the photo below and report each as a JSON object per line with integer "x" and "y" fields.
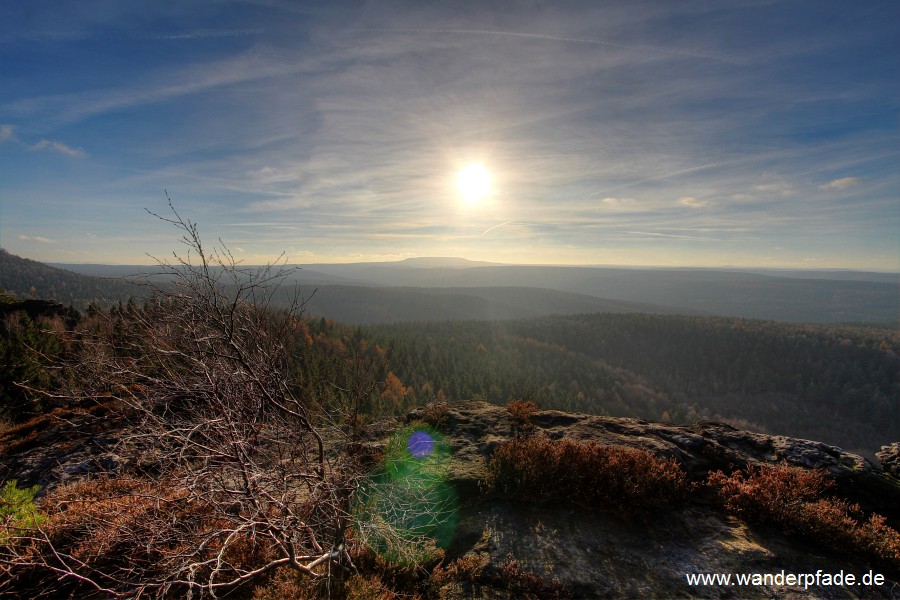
{"x": 694, "y": 133}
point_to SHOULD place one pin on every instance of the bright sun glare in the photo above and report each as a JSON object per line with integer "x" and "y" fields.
{"x": 473, "y": 182}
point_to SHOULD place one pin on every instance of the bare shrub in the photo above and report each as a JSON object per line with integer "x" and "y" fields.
{"x": 233, "y": 480}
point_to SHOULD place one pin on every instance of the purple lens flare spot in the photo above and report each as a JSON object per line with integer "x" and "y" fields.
{"x": 420, "y": 444}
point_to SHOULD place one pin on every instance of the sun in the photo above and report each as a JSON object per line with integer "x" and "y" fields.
{"x": 473, "y": 182}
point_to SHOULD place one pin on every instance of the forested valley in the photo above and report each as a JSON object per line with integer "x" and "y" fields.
{"x": 837, "y": 384}
{"x": 208, "y": 406}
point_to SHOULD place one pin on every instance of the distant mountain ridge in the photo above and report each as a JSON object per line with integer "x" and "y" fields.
{"x": 363, "y": 306}
{"x": 792, "y": 296}
{"x": 449, "y": 262}
{"x": 29, "y": 279}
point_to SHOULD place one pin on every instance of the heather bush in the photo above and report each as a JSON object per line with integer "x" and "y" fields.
{"x": 605, "y": 477}
{"x": 472, "y": 570}
{"x": 435, "y": 414}
{"x": 791, "y": 497}
{"x": 767, "y": 493}
{"x": 127, "y": 528}
{"x": 521, "y": 410}
{"x": 368, "y": 588}
{"x": 465, "y": 569}
{"x": 287, "y": 585}
{"x": 530, "y": 586}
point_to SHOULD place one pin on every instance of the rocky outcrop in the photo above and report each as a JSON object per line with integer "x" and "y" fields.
{"x": 890, "y": 458}
{"x": 592, "y": 554}
{"x": 599, "y": 555}
{"x": 476, "y": 428}
{"x": 35, "y": 308}
{"x": 62, "y": 445}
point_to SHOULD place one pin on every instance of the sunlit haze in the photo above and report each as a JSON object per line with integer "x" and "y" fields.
{"x": 754, "y": 134}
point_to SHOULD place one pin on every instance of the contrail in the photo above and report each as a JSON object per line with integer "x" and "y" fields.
{"x": 75, "y": 36}
{"x": 569, "y": 39}
{"x": 679, "y": 237}
{"x": 490, "y": 229}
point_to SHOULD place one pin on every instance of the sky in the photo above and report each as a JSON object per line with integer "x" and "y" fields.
{"x": 672, "y": 133}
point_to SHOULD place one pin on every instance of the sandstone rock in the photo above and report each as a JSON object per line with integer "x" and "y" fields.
{"x": 591, "y": 553}
{"x": 599, "y": 555}
{"x": 890, "y": 458}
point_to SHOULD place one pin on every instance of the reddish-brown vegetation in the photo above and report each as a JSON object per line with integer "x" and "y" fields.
{"x": 435, "y": 413}
{"x": 791, "y": 497}
{"x": 521, "y": 410}
{"x": 605, "y": 477}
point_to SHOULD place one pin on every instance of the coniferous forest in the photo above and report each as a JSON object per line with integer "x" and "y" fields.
{"x": 209, "y": 380}
{"x": 833, "y": 383}
{"x": 837, "y": 384}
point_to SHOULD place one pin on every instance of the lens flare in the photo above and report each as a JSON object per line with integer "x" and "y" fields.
{"x": 420, "y": 444}
{"x": 406, "y": 509}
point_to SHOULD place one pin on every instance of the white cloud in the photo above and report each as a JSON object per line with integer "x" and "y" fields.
{"x": 263, "y": 173}
{"x": 617, "y": 201}
{"x": 840, "y": 184}
{"x": 776, "y": 187}
{"x": 693, "y": 202}
{"x": 6, "y": 133}
{"x": 36, "y": 238}
{"x": 59, "y": 147}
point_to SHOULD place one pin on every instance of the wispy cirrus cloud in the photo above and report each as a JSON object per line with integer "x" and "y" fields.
{"x": 592, "y": 41}
{"x": 7, "y": 134}
{"x": 338, "y": 129}
{"x": 692, "y": 202}
{"x": 59, "y": 109}
{"x": 59, "y": 147}
{"x": 36, "y": 238}
{"x": 164, "y": 35}
{"x": 841, "y": 184}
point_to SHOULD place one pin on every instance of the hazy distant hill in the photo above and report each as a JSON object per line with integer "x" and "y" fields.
{"x": 789, "y": 295}
{"x": 359, "y": 305}
{"x": 835, "y": 274}
{"x": 808, "y": 296}
{"x": 31, "y": 279}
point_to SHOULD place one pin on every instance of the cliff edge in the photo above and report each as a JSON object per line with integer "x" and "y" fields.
{"x": 598, "y": 554}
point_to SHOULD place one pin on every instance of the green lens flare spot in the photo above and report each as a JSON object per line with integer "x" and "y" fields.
{"x": 406, "y": 510}
{"x": 417, "y": 451}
